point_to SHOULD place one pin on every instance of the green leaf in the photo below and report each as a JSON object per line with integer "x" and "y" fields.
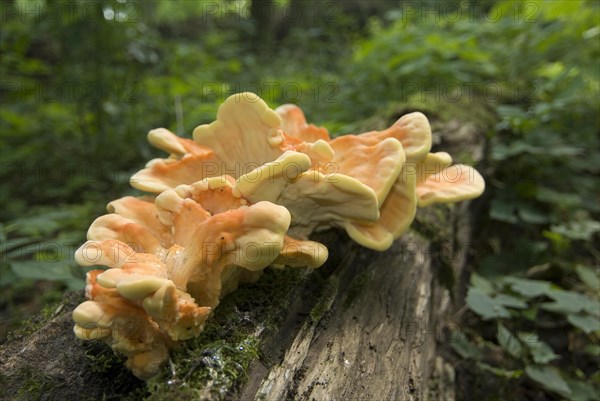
{"x": 541, "y": 352}
{"x": 530, "y": 313}
{"x": 503, "y": 211}
{"x": 482, "y": 284}
{"x": 568, "y": 302}
{"x": 8, "y": 244}
{"x": 586, "y": 323}
{"x": 51, "y": 271}
{"x": 515, "y": 261}
{"x": 35, "y": 247}
{"x": 527, "y": 288}
{"x": 592, "y": 349}
{"x": 548, "y": 378}
{"x": 502, "y": 152}
{"x": 532, "y": 215}
{"x": 509, "y": 342}
{"x": 581, "y": 391}
{"x": 577, "y": 230}
{"x": 484, "y": 305}
{"x": 511, "y": 302}
{"x": 589, "y": 277}
{"x": 500, "y": 372}
{"x": 41, "y": 224}
{"x": 564, "y": 151}
{"x": 463, "y": 347}
{"x": 559, "y": 242}
{"x": 7, "y": 276}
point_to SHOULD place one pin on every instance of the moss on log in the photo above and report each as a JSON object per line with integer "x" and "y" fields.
{"x": 339, "y": 332}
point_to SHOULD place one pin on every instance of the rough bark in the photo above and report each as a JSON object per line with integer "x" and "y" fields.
{"x": 50, "y": 364}
{"x": 376, "y": 341}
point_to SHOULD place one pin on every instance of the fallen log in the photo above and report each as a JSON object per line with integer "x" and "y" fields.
{"x": 363, "y": 327}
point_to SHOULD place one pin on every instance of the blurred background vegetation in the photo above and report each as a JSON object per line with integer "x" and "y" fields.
{"x": 83, "y": 81}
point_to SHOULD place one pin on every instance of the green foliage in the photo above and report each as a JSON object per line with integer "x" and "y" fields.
{"x": 36, "y": 255}
{"x": 41, "y": 247}
{"x": 535, "y": 304}
{"x": 75, "y": 112}
{"x": 534, "y": 64}
{"x": 548, "y": 378}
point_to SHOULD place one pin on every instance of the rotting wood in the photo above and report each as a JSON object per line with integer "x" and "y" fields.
{"x": 369, "y": 335}
{"x": 374, "y": 344}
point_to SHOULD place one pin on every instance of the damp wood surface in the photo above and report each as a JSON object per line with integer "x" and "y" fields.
{"x": 375, "y": 341}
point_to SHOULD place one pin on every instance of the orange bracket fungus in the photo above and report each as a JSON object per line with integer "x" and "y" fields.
{"x": 245, "y": 193}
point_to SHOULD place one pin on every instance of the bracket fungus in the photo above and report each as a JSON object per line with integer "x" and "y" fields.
{"x": 403, "y": 180}
{"x": 171, "y": 259}
{"x": 245, "y": 193}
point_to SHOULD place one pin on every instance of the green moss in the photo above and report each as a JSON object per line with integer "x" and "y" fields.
{"x": 36, "y": 322}
{"x": 35, "y": 385}
{"x": 211, "y": 366}
{"x": 356, "y": 286}
{"x": 138, "y": 394}
{"x": 329, "y": 291}
{"x": 446, "y": 277}
{"x": 215, "y": 364}
{"x": 102, "y": 359}
{"x": 434, "y": 223}
{"x": 52, "y": 309}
